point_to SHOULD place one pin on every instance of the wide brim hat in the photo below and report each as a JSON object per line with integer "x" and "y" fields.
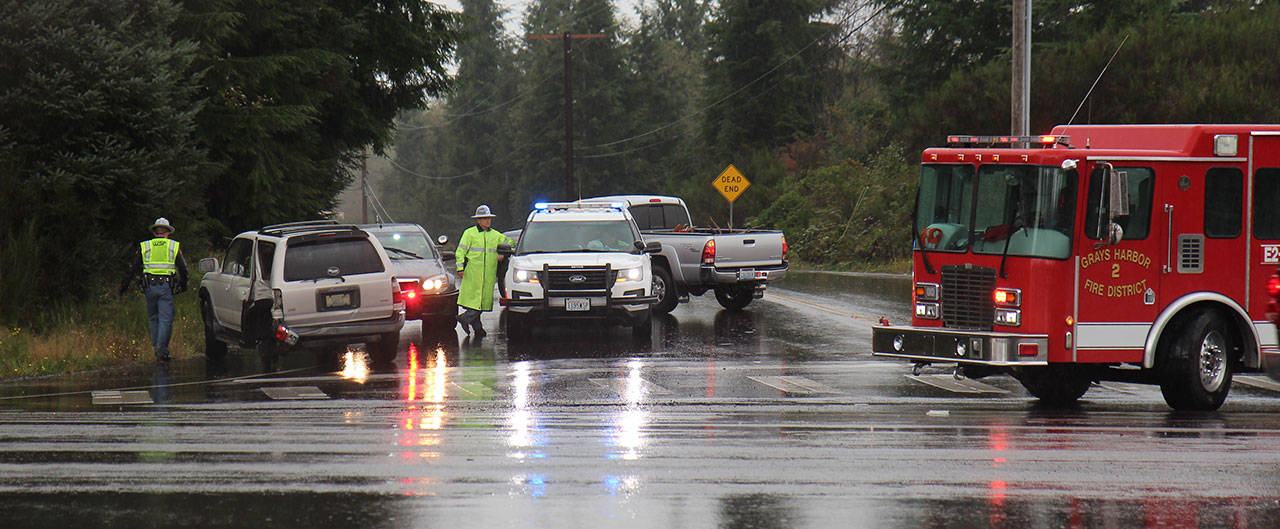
{"x": 483, "y": 212}
{"x": 162, "y": 223}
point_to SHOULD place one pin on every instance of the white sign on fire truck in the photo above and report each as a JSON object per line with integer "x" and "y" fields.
{"x": 1270, "y": 253}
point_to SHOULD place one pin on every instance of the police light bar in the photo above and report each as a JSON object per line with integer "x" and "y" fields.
{"x": 1043, "y": 140}
{"x": 579, "y": 205}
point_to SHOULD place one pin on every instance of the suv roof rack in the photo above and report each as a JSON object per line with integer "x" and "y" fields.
{"x": 289, "y": 228}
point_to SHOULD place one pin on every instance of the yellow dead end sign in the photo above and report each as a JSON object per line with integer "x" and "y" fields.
{"x": 731, "y": 183}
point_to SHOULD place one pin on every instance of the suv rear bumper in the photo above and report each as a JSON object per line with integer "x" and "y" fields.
{"x": 345, "y": 333}
{"x": 730, "y": 276}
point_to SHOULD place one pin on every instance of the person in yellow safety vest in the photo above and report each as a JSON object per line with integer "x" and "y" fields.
{"x": 478, "y": 267}
{"x": 161, "y": 271}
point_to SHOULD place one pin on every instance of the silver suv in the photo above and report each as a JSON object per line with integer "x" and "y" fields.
{"x": 318, "y": 285}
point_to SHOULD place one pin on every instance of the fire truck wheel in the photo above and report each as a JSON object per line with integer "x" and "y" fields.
{"x": 1055, "y": 386}
{"x": 1196, "y": 364}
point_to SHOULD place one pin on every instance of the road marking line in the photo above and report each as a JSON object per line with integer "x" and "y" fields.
{"x": 795, "y": 385}
{"x": 950, "y": 383}
{"x": 121, "y": 397}
{"x": 625, "y": 386}
{"x": 472, "y": 388}
{"x": 294, "y": 393}
{"x": 1258, "y": 382}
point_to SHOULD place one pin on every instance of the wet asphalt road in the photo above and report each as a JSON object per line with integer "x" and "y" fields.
{"x": 775, "y": 417}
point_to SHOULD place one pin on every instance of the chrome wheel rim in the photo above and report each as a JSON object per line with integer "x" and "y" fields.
{"x": 1213, "y": 361}
{"x": 659, "y": 287}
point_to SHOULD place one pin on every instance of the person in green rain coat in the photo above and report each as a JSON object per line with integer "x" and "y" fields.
{"x": 478, "y": 267}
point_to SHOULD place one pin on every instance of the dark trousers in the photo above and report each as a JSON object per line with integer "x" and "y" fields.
{"x": 470, "y": 317}
{"x": 160, "y": 311}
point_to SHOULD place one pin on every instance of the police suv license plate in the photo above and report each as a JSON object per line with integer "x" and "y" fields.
{"x": 746, "y": 274}
{"x": 577, "y": 304}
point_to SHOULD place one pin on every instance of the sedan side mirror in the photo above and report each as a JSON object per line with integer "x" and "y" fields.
{"x": 505, "y": 249}
{"x": 208, "y": 265}
{"x": 449, "y": 255}
{"x": 653, "y": 247}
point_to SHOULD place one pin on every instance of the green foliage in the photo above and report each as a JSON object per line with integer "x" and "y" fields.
{"x": 847, "y": 211}
{"x": 297, "y": 89}
{"x": 96, "y": 109}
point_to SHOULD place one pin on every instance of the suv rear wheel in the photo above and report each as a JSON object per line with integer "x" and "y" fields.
{"x": 384, "y": 352}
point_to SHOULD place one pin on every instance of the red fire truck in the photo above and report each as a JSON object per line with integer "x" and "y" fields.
{"x": 1138, "y": 253}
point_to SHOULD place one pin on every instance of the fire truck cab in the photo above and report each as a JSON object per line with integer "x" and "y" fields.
{"x": 1098, "y": 252}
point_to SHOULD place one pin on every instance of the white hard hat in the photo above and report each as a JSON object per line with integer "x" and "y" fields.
{"x": 483, "y": 212}
{"x": 162, "y": 223}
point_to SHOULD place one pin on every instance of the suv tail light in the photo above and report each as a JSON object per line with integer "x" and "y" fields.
{"x": 397, "y": 294}
{"x": 709, "y": 252}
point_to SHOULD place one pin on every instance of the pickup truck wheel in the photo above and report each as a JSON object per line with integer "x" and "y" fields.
{"x": 384, "y": 352}
{"x": 214, "y": 349}
{"x": 735, "y": 297}
{"x": 665, "y": 289}
{"x": 1196, "y": 364}
{"x": 1056, "y": 386}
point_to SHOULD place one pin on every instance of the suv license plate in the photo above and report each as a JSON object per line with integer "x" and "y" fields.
{"x": 577, "y": 304}
{"x": 337, "y": 301}
{"x": 746, "y": 274}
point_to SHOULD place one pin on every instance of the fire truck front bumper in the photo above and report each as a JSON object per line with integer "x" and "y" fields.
{"x": 935, "y": 345}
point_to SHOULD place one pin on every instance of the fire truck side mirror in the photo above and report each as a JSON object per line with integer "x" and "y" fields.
{"x": 1115, "y": 234}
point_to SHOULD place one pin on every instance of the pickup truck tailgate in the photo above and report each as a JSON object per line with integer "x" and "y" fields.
{"x": 751, "y": 249}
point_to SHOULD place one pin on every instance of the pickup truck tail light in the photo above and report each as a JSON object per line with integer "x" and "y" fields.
{"x": 709, "y": 252}
{"x": 784, "y": 247}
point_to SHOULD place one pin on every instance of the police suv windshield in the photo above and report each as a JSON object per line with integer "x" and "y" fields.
{"x": 1018, "y": 210}
{"x": 577, "y": 236}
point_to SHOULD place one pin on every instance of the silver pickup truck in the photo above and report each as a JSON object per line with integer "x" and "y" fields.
{"x": 736, "y": 264}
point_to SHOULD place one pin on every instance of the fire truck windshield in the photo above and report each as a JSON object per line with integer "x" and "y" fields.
{"x": 1018, "y": 210}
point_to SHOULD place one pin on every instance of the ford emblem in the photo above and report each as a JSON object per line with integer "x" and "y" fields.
{"x": 577, "y": 278}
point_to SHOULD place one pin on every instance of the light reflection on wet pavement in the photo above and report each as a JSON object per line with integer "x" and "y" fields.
{"x": 775, "y": 417}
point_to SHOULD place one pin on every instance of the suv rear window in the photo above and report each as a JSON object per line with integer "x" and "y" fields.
{"x": 313, "y": 259}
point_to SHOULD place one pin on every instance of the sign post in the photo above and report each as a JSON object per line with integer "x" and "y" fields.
{"x": 731, "y": 183}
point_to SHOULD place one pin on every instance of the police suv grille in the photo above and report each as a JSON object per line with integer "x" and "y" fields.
{"x": 578, "y": 279}
{"x": 966, "y": 297}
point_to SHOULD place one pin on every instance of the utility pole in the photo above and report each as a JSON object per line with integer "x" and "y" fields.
{"x": 570, "y": 187}
{"x": 364, "y": 189}
{"x": 1020, "y": 115}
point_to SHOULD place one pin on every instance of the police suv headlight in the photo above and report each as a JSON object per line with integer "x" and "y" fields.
{"x": 630, "y": 274}
{"x": 525, "y": 276}
{"x": 435, "y": 284}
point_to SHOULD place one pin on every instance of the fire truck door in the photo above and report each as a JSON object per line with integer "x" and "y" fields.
{"x": 1119, "y": 283}
{"x": 1263, "y": 211}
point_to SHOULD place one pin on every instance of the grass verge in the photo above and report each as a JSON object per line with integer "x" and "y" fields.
{"x": 105, "y": 331}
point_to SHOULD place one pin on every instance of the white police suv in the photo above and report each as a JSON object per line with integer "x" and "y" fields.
{"x": 579, "y": 261}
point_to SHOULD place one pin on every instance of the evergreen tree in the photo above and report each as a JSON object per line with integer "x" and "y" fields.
{"x": 296, "y": 91}
{"x": 96, "y": 125}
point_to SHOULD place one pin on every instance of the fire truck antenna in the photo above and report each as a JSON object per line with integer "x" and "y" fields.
{"x": 1095, "y": 81}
